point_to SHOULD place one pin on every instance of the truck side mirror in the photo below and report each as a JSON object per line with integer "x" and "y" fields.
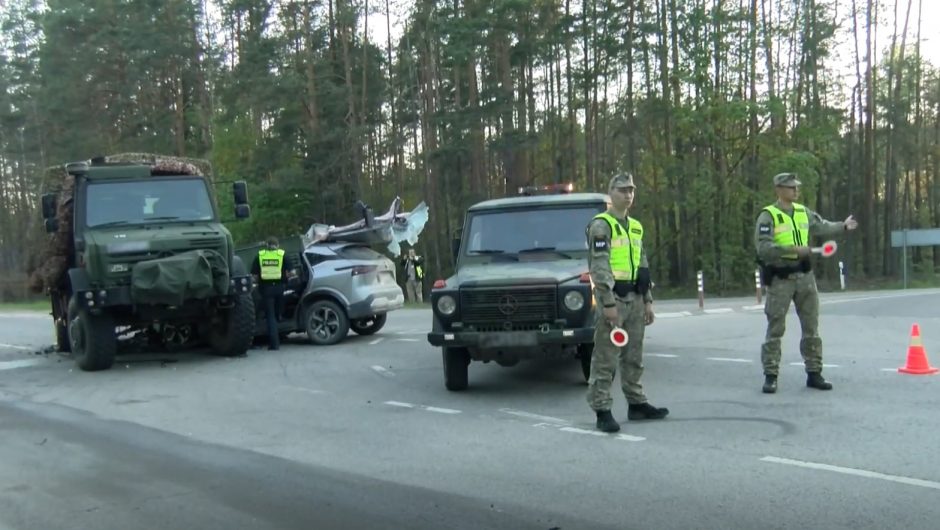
{"x": 52, "y": 225}
{"x": 242, "y": 211}
{"x": 49, "y": 205}
{"x": 240, "y": 191}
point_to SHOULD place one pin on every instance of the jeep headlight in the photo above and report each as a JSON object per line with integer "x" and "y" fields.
{"x": 574, "y": 301}
{"x": 446, "y": 305}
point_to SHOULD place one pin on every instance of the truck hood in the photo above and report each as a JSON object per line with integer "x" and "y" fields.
{"x": 501, "y": 273}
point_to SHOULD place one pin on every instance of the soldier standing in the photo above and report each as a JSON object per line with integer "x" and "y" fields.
{"x": 414, "y": 276}
{"x": 622, "y": 296}
{"x": 782, "y": 239}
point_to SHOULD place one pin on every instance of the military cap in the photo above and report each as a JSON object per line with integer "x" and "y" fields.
{"x": 621, "y": 180}
{"x": 787, "y": 180}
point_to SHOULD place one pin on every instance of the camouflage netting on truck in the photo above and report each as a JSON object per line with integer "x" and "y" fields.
{"x": 50, "y": 261}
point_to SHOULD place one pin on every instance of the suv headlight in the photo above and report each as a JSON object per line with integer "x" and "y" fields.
{"x": 446, "y": 305}
{"x": 574, "y": 301}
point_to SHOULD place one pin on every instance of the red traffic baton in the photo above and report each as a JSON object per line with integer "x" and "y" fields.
{"x": 619, "y": 337}
{"x": 828, "y": 249}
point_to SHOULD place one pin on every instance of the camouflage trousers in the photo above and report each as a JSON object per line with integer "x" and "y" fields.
{"x": 606, "y": 357}
{"x": 801, "y": 289}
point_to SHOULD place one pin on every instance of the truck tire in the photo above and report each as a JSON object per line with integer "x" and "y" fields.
{"x": 326, "y": 323}
{"x": 584, "y": 355}
{"x": 232, "y": 337}
{"x": 456, "y": 365}
{"x": 92, "y": 339}
{"x": 369, "y": 325}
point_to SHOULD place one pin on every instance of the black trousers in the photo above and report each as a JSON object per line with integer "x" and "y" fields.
{"x": 273, "y": 297}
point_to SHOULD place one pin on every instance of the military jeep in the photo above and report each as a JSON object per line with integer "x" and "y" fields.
{"x": 521, "y": 288}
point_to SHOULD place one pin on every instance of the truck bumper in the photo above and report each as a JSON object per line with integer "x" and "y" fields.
{"x": 121, "y": 296}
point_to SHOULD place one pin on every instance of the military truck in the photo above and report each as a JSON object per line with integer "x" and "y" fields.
{"x": 521, "y": 288}
{"x": 137, "y": 246}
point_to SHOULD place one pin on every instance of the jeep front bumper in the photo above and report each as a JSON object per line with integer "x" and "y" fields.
{"x": 494, "y": 340}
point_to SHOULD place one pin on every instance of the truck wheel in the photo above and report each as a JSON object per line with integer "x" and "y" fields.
{"x": 456, "y": 363}
{"x": 326, "y": 323}
{"x": 232, "y": 337}
{"x": 92, "y": 339}
{"x": 584, "y": 355}
{"x": 369, "y": 325}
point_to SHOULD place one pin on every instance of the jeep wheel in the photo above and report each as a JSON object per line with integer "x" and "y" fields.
{"x": 325, "y": 323}
{"x": 232, "y": 336}
{"x": 91, "y": 338}
{"x": 369, "y": 325}
{"x": 456, "y": 364}
{"x": 584, "y": 355}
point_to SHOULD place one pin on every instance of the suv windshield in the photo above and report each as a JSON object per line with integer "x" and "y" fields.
{"x": 113, "y": 203}
{"x": 554, "y": 232}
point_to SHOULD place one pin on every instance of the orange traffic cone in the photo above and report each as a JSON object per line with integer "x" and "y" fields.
{"x": 917, "y": 363}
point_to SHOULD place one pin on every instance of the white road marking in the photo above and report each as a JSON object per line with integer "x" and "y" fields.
{"x": 442, "y": 411}
{"x": 674, "y": 315}
{"x": 383, "y": 371}
{"x": 753, "y": 307}
{"x": 867, "y": 298}
{"x": 583, "y": 431}
{"x": 21, "y": 363}
{"x": 25, "y": 315}
{"x": 530, "y": 415}
{"x": 824, "y": 365}
{"x": 856, "y": 472}
{"x": 422, "y": 407}
{"x": 663, "y": 355}
{"x": 307, "y": 390}
{"x": 408, "y": 340}
{"x": 15, "y": 347}
{"x": 719, "y": 311}
{"x": 630, "y": 438}
{"x": 376, "y": 341}
{"x": 729, "y": 360}
{"x": 889, "y": 369}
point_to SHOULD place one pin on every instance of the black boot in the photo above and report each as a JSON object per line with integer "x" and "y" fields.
{"x": 770, "y": 384}
{"x": 815, "y": 380}
{"x": 606, "y": 421}
{"x": 645, "y": 411}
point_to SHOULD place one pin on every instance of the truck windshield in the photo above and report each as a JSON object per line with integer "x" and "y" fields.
{"x": 553, "y": 232}
{"x": 117, "y": 203}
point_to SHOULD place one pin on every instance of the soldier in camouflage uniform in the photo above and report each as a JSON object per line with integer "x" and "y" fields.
{"x": 622, "y": 298}
{"x": 782, "y": 239}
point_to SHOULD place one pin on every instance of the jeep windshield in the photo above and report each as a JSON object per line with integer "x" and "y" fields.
{"x": 544, "y": 233}
{"x": 119, "y": 203}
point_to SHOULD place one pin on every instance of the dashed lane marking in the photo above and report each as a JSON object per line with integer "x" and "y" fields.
{"x": 623, "y": 437}
{"x": 663, "y": 355}
{"x": 674, "y": 315}
{"x": 376, "y": 341}
{"x": 439, "y": 410}
{"x": 383, "y": 371}
{"x": 523, "y": 414}
{"x": 729, "y": 360}
{"x": 824, "y": 365}
{"x": 15, "y": 347}
{"x": 853, "y": 471}
{"x": 718, "y": 311}
{"x": 753, "y": 307}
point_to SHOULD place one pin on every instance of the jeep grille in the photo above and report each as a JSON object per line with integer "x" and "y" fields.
{"x": 499, "y": 305}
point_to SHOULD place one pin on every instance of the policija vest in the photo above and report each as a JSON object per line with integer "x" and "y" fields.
{"x": 271, "y": 262}
{"x": 790, "y": 231}
{"x": 625, "y": 247}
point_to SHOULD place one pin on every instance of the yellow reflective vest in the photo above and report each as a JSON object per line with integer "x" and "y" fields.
{"x": 271, "y": 262}
{"x": 625, "y": 247}
{"x": 790, "y": 231}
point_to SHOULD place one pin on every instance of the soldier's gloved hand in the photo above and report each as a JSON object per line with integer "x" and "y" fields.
{"x": 803, "y": 251}
{"x": 611, "y": 316}
{"x": 648, "y": 316}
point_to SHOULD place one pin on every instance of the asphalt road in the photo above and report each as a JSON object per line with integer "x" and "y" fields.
{"x": 364, "y": 435}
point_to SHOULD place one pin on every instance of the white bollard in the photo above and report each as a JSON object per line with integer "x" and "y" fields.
{"x": 757, "y": 283}
{"x": 701, "y": 290}
{"x": 842, "y": 275}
